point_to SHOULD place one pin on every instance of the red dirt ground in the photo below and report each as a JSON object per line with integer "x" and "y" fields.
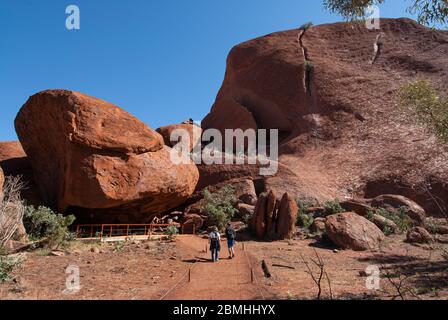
{"x": 151, "y": 270}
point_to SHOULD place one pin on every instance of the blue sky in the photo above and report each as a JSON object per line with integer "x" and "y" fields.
{"x": 161, "y": 60}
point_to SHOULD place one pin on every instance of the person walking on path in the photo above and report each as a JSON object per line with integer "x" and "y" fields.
{"x": 230, "y": 235}
{"x": 215, "y": 244}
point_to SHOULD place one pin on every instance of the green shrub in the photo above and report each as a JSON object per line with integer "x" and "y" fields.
{"x": 305, "y": 221}
{"x": 7, "y": 266}
{"x": 171, "y": 231}
{"x": 306, "y": 26}
{"x": 309, "y": 66}
{"x": 43, "y": 223}
{"x": 425, "y": 104}
{"x": 220, "y": 206}
{"x": 401, "y": 219}
{"x": 334, "y": 207}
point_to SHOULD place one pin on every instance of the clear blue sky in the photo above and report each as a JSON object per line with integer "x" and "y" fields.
{"x": 161, "y": 60}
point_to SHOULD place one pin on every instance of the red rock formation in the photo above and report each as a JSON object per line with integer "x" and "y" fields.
{"x": 14, "y": 162}
{"x": 341, "y": 133}
{"x": 351, "y": 231}
{"x": 89, "y": 154}
{"x": 274, "y": 219}
{"x": 194, "y": 131}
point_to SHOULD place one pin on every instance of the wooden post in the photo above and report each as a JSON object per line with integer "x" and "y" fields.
{"x": 244, "y": 248}
{"x": 145, "y": 231}
{"x": 77, "y": 231}
{"x": 189, "y": 275}
{"x": 102, "y": 231}
{"x": 110, "y": 233}
{"x": 91, "y": 231}
{"x": 127, "y": 230}
{"x": 252, "y": 275}
{"x": 265, "y": 267}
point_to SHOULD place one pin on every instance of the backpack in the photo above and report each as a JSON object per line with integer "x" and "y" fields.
{"x": 230, "y": 233}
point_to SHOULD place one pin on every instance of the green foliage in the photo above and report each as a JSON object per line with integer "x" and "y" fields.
{"x": 306, "y": 26}
{"x": 172, "y": 231}
{"x": 334, "y": 207}
{"x": 401, "y": 219}
{"x": 43, "y": 223}
{"x": 305, "y": 220}
{"x": 309, "y": 66}
{"x": 7, "y": 266}
{"x": 424, "y": 103}
{"x": 428, "y": 11}
{"x": 220, "y": 206}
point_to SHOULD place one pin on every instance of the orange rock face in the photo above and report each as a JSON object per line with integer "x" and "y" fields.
{"x": 340, "y": 130}
{"x": 90, "y": 154}
{"x": 14, "y": 162}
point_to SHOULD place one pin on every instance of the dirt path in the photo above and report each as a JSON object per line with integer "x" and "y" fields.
{"x": 223, "y": 280}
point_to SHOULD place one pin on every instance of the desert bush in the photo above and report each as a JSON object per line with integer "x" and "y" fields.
{"x": 309, "y": 66}
{"x": 334, "y": 207}
{"x": 12, "y": 208}
{"x": 425, "y": 104}
{"x": 306, "y": 26}
{"x": 43, "y": 223}
{"x": 7, "y": 266}
{"x": 401, "y": 219}
{"x": 172, "y": 231}
{"x": 220, "y": 206}
{"x": 305, "y": 220}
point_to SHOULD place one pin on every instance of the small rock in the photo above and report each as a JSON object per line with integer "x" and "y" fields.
{"x": 57, "y": 253}
{"x": 335, "y": 251}
{"x": 95, "y": 250}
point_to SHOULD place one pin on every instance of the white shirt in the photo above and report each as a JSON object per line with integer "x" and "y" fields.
{"x": 214, "y": 235}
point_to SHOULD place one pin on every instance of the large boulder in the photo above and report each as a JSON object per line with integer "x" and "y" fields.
{"x": 351, "y": 231}
{"x": 194, "y": 132}
{"x": 89, "y": 154}
{"x": 394, "y": 203}
{"x": 339, "y": 128}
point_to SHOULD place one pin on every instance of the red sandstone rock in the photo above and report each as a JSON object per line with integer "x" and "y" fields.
{"x": 90, "y": 154}
{"x": 341, "y": 133}
{"x": 194, "y": 132}
{"x": 351, "y": 231}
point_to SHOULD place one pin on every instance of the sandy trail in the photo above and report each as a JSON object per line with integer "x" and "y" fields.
{"x": 223, "y": 280}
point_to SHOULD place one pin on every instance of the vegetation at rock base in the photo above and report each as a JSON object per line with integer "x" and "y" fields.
{"x": 172, "y": 231}
{"x": 427, "y": 11}
{"x": 43, "y": 223}
{"x": 334, "y": 207}
{"x": 220, "y": 206}
{"x": 7, "y": 265}
{"x": 400, "y": 218}
{"x": 424, "y": 103}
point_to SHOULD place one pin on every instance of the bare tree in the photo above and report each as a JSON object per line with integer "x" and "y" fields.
{"x": 318, "y": 276}
{"x": 12, "y": 208}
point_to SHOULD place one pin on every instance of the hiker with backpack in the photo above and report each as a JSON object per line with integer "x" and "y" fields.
{"x": 215, "y": 244}
{"x": 230, "y": 235}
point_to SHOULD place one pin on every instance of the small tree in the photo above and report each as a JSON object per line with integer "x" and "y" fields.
{"x": 220, "y": 206}
{"x": 12, "y": 208}
{"x": 425, "y": 104}
{"x": 43, "y": 223}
